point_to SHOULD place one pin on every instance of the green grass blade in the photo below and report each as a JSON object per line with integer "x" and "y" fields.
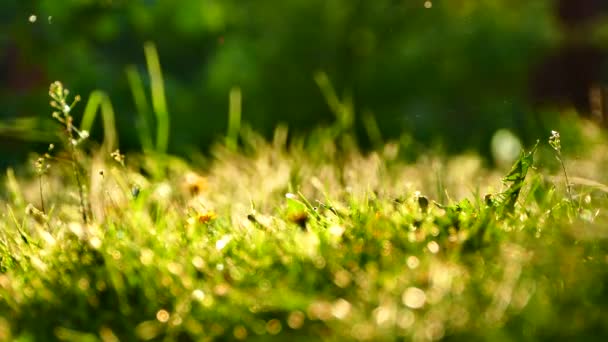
{"x": 371, "y": 128}
{"x": 100, "y": 100}
{"x": 159, "y": 103}
{"x": 234, "y": 118}
{"x": 141, "y": 104}
{"x": 328, "y": 91}
{"x": 343, "y": 110}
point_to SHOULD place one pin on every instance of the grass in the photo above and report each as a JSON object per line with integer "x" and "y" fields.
{"x": 309, "y": 241}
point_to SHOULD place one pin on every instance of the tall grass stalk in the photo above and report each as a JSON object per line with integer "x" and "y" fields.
{"x": 371, "y": 128}
{"x": 141, "y": 104}
{"x": 234, "y": 118}
{"x": 342, "y": 109}
{"x": 555, "y": 142}
{"x": 100, "y": 100}
{"x": 159, "y": 103}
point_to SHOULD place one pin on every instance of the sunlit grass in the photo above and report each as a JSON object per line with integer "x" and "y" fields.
{"x": 311, "y": 240}
{"x": 308, "y": 243}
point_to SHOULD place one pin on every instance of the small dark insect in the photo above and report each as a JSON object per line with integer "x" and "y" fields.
{"x": 423, "y": 202}
{"x": 489, "y": 200}
{"x": 135, "y": 191}
{"x": 300, "y": 218}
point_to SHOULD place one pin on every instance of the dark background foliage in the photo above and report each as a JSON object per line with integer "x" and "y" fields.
{"x": 452, "y": 74}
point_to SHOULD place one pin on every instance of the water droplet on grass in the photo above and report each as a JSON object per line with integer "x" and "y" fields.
{"x": 341, "y": 308}
{"x": 433, "y": 247}
{"x": 413, "y": 262}
{"x": 163, "y": 316}
{"x": 414, "y": 298}
{"x": 198, "y": 295}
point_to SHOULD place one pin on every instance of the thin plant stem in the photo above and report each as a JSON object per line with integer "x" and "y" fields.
{"x": 568, "y": 189}
{"x": 41, "y": 195}
{"x": 70, "y": 136}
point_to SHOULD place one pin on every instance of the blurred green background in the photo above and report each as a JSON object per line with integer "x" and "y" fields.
{"x": 447, "y": 72}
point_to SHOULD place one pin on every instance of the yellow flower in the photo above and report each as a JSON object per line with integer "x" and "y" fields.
{"x": 206, "y": 217}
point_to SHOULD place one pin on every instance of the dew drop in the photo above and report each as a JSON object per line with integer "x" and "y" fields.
{"x": 414, "y": 297}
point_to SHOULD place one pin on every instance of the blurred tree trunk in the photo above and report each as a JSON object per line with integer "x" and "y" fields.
{"x": 574, "y": 74}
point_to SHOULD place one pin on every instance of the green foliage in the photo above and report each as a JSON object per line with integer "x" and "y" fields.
{"x": 434, "y": 73}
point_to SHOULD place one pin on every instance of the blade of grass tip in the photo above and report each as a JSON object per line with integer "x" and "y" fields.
{"x": 19, "y": 226}
{"x": 14, "y": 189}
{"x": 109, "y": 124}
{"x": 371, "y": 128}
{"x": 279, "y": 139}
{"x": 342, "y": 109}
{"x": 329, "y": 93}
{"x": 4, "y": 243}
{"x": 141, "y": 105}
{"x": 305, "y": 201}
{"x": 347, "y": 114}
{"x": 309, "y": 205}
{"x": 159, "y": 103}
{"x": 439, "y": 183}
{"x": 90, "y": 111}
{"x": 100, "y": 100}
{"x": 234, "y": 118}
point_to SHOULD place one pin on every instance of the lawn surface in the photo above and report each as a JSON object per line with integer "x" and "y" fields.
{"x": 315, "y": 241}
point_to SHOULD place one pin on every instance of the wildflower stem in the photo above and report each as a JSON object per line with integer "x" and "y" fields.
{"x": 41, "y": 195}
{"x": 568, "y": 188}
{"x": 74, "y": 162}
{"x": 79, "y": 184}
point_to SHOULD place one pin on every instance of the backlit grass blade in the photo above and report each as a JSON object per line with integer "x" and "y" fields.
{"x": 371, "y": 128}
{"x": 100, "y": 100}
{"x": 234, "y": 118}
{"x": 343, "y": 110}
{"x": 159, "y": 103}
{"x": 141, "y": 104}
